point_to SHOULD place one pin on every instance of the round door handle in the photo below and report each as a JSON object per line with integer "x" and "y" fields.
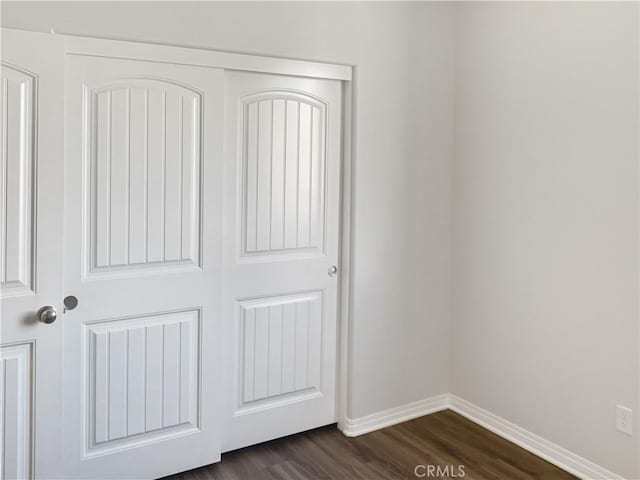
{"x": 47, "y": 314}
{"x": 333, "y": 270}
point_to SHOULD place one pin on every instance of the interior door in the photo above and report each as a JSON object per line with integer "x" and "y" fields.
{"x": 281, "y": 223}
{"x": 143, "y": 257}
{"x": 31, "y": 186}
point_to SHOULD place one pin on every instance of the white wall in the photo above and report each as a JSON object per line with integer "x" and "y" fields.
{"x": 404, "y": 72}
{"x": 545, "y": 302}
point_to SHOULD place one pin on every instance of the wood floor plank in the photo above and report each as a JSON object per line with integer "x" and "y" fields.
{"x": 443, "y": 439}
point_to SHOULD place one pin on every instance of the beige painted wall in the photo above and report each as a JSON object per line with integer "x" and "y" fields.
{"x": 545, "y": 289}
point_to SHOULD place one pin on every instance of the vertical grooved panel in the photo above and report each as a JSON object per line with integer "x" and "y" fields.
{"x": 155, "y": 375}
{"x": 304, "y": 176}
{"x": 145, "y": 181}
{"x": 136, "y": 381}
{"x": 171, "y": 381}
{"x": 118, "y": 382}
{"x": 288, "y": 347}
{"x": 143, "y": 376}
{"x": 283, "y": 182}
{"x": 274, "y": 380}
{"x": 156, "y": 176}
{"x": 251, "y": 205}
{"x": 185, "y": 372}
{"x": 119, "y": 177}
{"x": 100, "y": 350}
{"x": 280, "y": 344}
{"x": 316, "y": 179}
{"x": 314, "y": 354}
{"x": 261, "y": 352}
{"x": 264, "y": 176}
{"x": 291, "y": 177}
{"x": 102, "y": 181}
{"x": 277, "y": 176}
{"x": 173, "y": 179}
{"x": 17, "y": 111}
{"x": 249, "y": 332}
{"x": 138, "y": 173}
{"x": 190, "y": 190}
{"x": 302, "y": 344}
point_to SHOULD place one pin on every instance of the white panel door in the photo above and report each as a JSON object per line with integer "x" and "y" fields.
{"x": 282, "y": 183}
{"x": 143, "y": 257}
{"x": 31, "y": 196}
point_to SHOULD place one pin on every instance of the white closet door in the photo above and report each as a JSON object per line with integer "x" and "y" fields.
{"x": 31, "y": 196}
{"x": 143, "y": 257}
{"x": 282, "y": 183}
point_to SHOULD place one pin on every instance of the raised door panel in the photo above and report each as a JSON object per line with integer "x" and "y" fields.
{"x": 16, "y": 409}
{"x": 280, "y": 345}
{"x": 145, "y": 162}
{"x": 142, "y": 380}
{"x": 17, "y": 128}
{"x": 283, "y": 180}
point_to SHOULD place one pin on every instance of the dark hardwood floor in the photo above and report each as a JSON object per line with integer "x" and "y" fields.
{"x": 442, "y": 439}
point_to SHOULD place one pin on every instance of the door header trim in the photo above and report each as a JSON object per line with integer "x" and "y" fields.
{"x": 152, "y": 52}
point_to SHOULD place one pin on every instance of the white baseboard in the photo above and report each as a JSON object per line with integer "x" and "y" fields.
{"x": 392, "y": 416}
{"x": 552, "y": 453}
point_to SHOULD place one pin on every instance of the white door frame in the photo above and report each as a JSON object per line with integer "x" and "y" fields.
{"x": 79, "y": 45}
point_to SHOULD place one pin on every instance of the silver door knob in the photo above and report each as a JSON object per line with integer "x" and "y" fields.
{"x": 47, "y": 314}
{"x": 333, "y": 270}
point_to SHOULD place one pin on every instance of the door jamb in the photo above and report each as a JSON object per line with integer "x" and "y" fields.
{"x": 344, "y": 373}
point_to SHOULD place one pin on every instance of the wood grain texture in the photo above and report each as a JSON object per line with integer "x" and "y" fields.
{"x": 443, "y": 438}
